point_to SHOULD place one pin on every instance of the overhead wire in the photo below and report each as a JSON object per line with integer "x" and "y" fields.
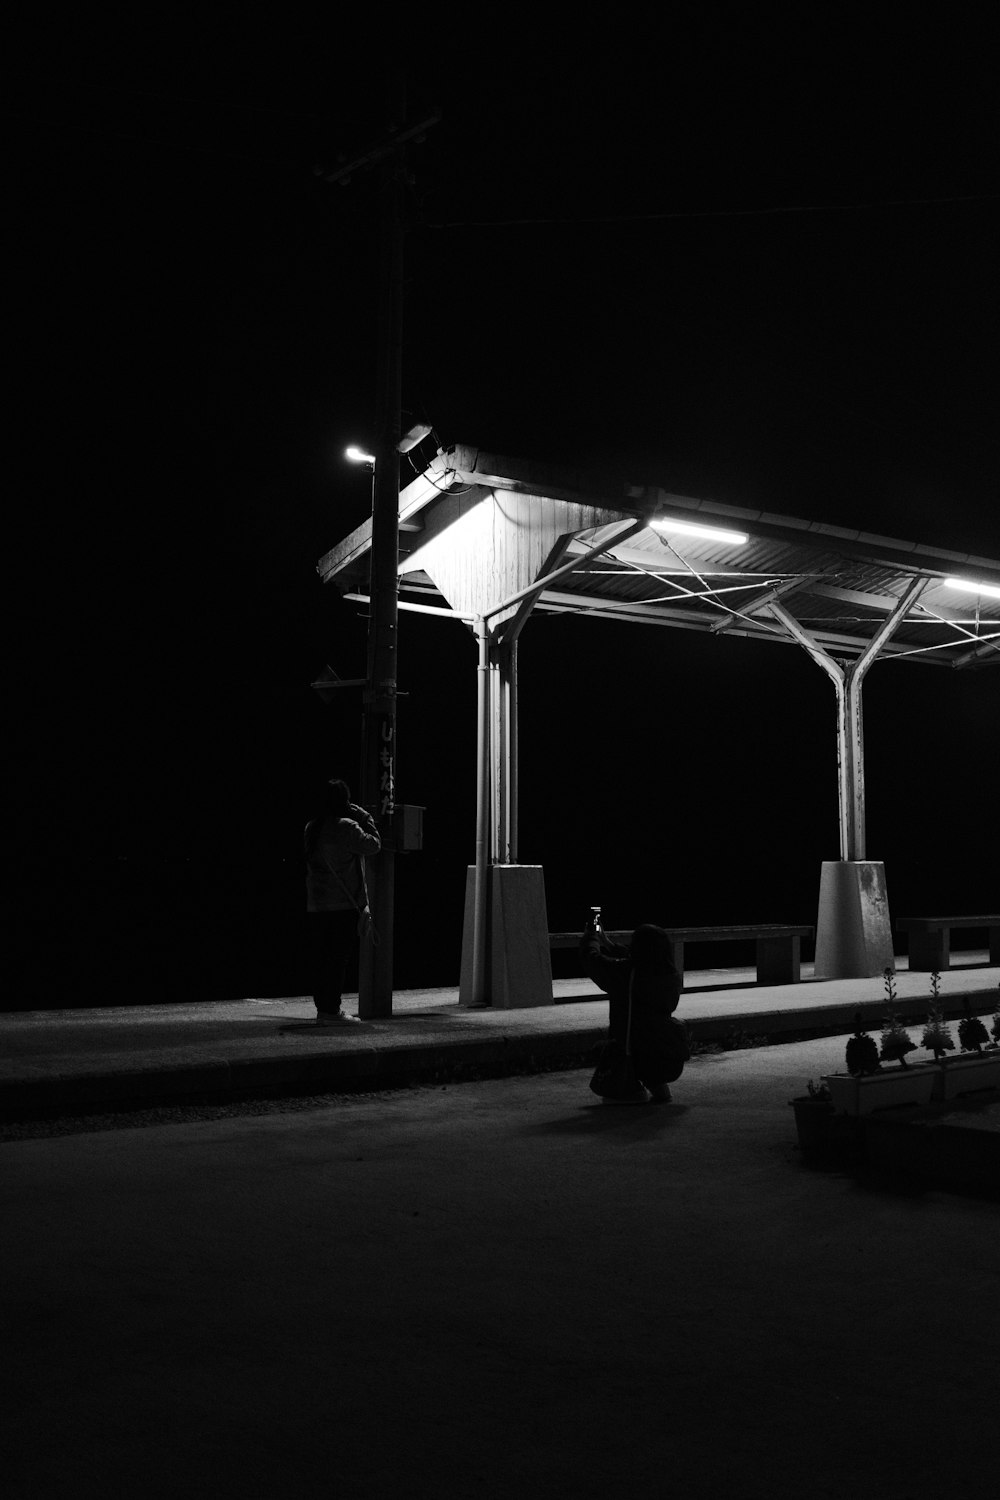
{"x": 713, "y": 213}
{"x": 710, "y": 592}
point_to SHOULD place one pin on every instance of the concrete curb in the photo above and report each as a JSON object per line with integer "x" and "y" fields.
{"x": 369, "y": 1068}
{"x": 831, "y": 1020}
{"x": 388, "y": 1065}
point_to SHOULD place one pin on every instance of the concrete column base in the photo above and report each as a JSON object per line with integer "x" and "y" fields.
{"x": 518, "y": 961}
{"x": 853, "y": 928}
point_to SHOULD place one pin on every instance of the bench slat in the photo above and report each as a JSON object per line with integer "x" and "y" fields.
{"x": 778, "y": 945}
{"x": 935, "y": 924}
{"x": 929, "y": 939}
{"x": 694, "y": 934}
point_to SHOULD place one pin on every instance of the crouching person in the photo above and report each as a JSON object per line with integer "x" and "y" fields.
{"x": 646, "y": 1049}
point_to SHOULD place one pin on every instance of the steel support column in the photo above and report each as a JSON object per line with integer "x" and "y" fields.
{"x": 496, "y": 802}
{"x": 502, "y": 752}
{"x": 504, "y": 897}
{"x": 503, "y": 757}
{"x": 480, "y": 984}
{"x": 847, "y": 678}
{"x": 496, "y": 756}
{"x": 851, "y": 737}
{"x": 511, "y": 775}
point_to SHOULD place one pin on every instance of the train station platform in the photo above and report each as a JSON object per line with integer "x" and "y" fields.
{"x": 143, "y": 1055}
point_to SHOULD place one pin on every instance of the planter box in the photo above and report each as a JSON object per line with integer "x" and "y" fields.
{"x": 892, "y": 1087}
{"x": 812, "y": 1121}
{"x": 966, "y": 1073}
{"x": 825, "y": 1137}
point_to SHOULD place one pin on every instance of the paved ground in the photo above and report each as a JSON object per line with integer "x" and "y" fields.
{"x": 73, "y": 1058}
{"x": 498, "y": 1289}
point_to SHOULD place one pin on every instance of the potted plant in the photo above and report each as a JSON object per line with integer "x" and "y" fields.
{"x": 896, "y": 1041}
{"x": 884, "y": 1088}
{"x": 823, "y": 1134}
{"x": 975, "y": 1067}
{"x": 813, "y": 1110}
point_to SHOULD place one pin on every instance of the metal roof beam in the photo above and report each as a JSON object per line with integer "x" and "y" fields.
{"x": 462, "y": 465}
{"x": 890, "y": 626}
{"x": 654, "y": 612}
{"x": 902, "y": 556}
{"x": 955, "y": 625}
{"x": 534, "y": 589}
{"x": 418, "y": 609}
{"x": 519, "y": 619}
{"x": 983, "y": 649}
{"x": 350, "y": 550}
{"x": 417, "y": 494}
{"x": 646, "y": 562}
{"x": 597, "y": 499}
{"x": 880, "y": 602}
{"x": 780, "y": 591}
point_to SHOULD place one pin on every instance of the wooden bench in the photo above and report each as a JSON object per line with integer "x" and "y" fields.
{"x": 929, "y": 941}
{"x": 778, "y": 960}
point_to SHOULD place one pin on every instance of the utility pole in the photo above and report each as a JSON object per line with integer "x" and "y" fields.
{"x": 378, "y": 791}
{"x": 378, "y": 766}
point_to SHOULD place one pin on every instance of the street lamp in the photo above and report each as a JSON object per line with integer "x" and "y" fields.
{"x": 416, "y": 435}
{"x": 359, "y": 456}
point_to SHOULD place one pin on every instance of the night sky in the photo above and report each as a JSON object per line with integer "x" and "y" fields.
{"x": 743, "y": 259}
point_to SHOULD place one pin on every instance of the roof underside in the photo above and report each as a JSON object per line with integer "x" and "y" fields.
{"x": 838, "y": 586}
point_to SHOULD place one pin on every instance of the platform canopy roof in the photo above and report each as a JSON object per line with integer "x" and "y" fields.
{"x": 486, "y": 535}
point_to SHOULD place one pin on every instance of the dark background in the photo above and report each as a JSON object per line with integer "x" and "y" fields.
{"x": 742, "y": 255}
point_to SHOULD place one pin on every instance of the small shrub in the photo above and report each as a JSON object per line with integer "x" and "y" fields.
{"x": 896, "y": 1041}
{"x": 937, "y": 1037}
{"x": 862, "y": 1053}
{"x": 972, "y": 1034}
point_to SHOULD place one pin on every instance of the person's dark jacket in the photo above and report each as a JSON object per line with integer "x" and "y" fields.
{"x": 335, "y": 847}
{"x": 647, "y": 967}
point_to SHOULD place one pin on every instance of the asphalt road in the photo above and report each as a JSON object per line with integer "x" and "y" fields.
{"x": 495, "y": 1289}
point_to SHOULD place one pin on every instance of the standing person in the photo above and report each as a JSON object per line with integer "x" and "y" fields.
{"x": 644, "y": 973}
{"x": 336, "y": 895}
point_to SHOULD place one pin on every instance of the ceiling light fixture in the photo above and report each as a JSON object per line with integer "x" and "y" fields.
{"x": 969, "y": 587}
{"x": 692, "y": 528}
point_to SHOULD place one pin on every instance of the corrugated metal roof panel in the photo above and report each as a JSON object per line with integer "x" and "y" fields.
{"x": 839, "y": 584}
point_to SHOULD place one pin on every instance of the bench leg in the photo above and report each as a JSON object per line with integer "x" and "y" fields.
{"x": 778, "y": 960}
{"x": 929, "y": 951}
